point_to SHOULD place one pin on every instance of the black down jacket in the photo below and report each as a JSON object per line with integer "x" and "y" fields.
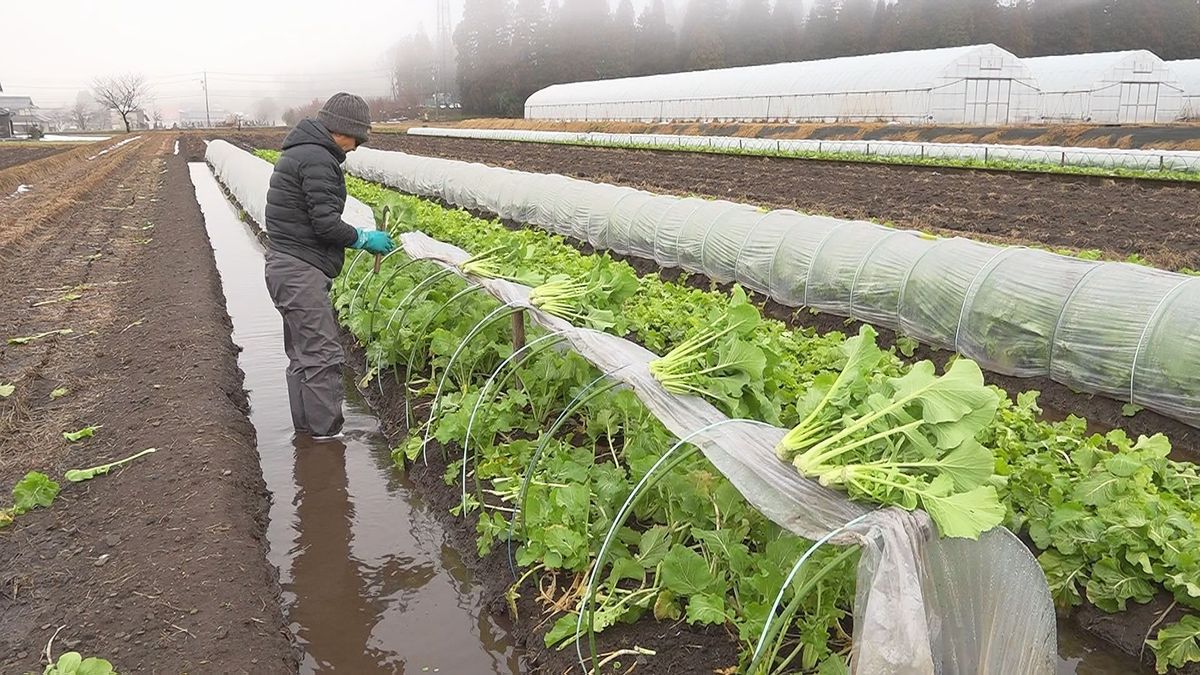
{"x": 306, "y": 199}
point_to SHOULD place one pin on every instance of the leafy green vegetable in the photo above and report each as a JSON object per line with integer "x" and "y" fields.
{"x": 86, "y": 432}
{"x": 30, "y": 338}
{"x": 7, "y": 390}
{"x": 73, "y": 663}
{"x": 59, "y": 393}
{"x": 33, "y": 491}
{"x": 904, "y": 441}
{"x": 1177, "y": 645}
{"x": 1131, "y": 409}
{"x": 78, "y": 475}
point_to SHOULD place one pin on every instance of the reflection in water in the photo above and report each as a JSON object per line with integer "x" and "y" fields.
{"x": 330, "y": 612}
{"x": 368, "y": 586}
{"x": 1082, "y": 654}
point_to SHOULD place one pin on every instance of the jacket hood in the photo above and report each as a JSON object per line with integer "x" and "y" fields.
{"x": 312, "y": 132}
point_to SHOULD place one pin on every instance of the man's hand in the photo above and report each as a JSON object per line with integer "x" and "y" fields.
{"x": 373, "y": 241}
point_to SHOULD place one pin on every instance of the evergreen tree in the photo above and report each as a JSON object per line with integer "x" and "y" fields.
{"x": 621, "y": 40}
{"x": 701, "y": 43}
{"x": 654, "y": 44}
{"x": 482, "y": 43}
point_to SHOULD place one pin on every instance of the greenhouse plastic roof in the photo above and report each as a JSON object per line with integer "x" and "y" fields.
{"x": 1188, "y": 74}
{"x": 897, "y": 71}
{"x": 1078, "y": 72}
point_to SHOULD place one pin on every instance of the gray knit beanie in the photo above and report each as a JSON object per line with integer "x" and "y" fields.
{"x": 348, "y": 115}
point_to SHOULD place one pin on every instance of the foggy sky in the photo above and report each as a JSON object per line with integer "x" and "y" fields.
{"x": 292, "y": 50}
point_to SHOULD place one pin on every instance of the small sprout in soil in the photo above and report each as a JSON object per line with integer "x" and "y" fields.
{"x": 7, "y": 389}
{"x": 73, "y": 663}
{"x": 79, "y": 475}
{"x": 86, "y": 432}
{"x": 30, "y": 338}
{"x": 59, "y": 393}
{"x": 1131, "y": 409}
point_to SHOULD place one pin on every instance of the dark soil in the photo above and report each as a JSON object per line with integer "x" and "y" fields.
{"x": 1161, "y": 136}
{"x": 160, "y": 566}
{"x": 680, "y": 648}
{"x": 1156, "y": 220}
{"x": 12, "y": 154}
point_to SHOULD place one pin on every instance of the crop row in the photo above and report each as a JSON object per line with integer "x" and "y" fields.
{"x": 1114, "y": 517}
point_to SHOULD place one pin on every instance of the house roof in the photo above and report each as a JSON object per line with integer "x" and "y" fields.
{"x": 16, "y": 102}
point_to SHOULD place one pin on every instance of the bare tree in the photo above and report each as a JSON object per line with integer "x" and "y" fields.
{"x": 265, "y": 111}
{"x": 157, "y": 116}
{"x": 83, "y": 109}
{"x": 123, "y": 93}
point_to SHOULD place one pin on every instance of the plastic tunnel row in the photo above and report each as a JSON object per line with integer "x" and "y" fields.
{"x": 1108, "y": 158}
{"x": 1122, "y": 330}
{"x": 923, "y": 605}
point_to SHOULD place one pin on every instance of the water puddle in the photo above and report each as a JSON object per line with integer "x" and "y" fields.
{"x": 370, "y": 583}
{"x": 1083, "y": 654}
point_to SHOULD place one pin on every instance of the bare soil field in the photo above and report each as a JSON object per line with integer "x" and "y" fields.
{"x": 159, "y": 566}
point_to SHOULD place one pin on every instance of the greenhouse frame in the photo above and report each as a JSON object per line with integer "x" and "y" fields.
{"x": 981, "y": 84}
{"x": 1130, "y": 87}
{"x": 1188, "y": 74}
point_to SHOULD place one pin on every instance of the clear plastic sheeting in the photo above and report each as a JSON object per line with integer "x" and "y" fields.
{"x": 985, "y": 153}
{"x": 1111, "y": 328}
{"x": 923, "y": 605}
{"x": 247, "y": 178}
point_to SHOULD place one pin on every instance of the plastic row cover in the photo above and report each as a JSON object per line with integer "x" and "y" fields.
{"x": 924, "y": 605}
{"x": 1152, "y": 160}
{"x": 1125, "y": 331}
{"x": 247, "y": 178}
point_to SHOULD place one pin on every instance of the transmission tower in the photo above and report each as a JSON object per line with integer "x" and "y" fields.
{"x": 442, "y": 71}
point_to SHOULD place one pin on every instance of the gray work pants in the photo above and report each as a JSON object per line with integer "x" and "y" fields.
{"x": 310, "y": 338}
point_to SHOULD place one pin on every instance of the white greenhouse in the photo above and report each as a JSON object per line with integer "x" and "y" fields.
{"x": 1188, "y": 75}
{"x": 982, "y": 85}
{"x": 1107, "y": 88}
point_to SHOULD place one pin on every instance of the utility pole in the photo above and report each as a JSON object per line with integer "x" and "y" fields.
{"x": 207, "y": 112}
{"x": 444, "y": 38}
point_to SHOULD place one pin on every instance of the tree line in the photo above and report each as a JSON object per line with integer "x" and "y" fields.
{"x": 508, "y": 49}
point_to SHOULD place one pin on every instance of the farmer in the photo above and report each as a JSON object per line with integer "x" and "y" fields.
{"x": 308, "y": 239}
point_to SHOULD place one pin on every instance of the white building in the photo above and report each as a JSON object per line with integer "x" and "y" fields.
{"x": 982, "y": 85}
{"x": 1188, "y": 75}
{"x": 198, "y": 119}
{"x": 1107, "y": 88}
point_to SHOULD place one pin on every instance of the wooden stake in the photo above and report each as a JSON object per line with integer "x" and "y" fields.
{"x": 518, "y": 330}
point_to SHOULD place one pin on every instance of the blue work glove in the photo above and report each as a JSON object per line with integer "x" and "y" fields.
{"x": 373, "y": 241}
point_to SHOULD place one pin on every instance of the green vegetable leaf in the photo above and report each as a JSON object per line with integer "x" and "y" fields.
{"x": 34, "y": 490}
{"x": 1112, "y": 585}
{"x": 59, "y": 393}
{"x": 686, "y": 572}
{"x": 706, "y": 609}
{"x": 1131, "y": 409}
{"x": 1177, "y": 645}
{"x": 7, "y": 390}
{"x": 965, "y": 514}
{"x": 654, "y": 545}
{"x": 86, "y": 432}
